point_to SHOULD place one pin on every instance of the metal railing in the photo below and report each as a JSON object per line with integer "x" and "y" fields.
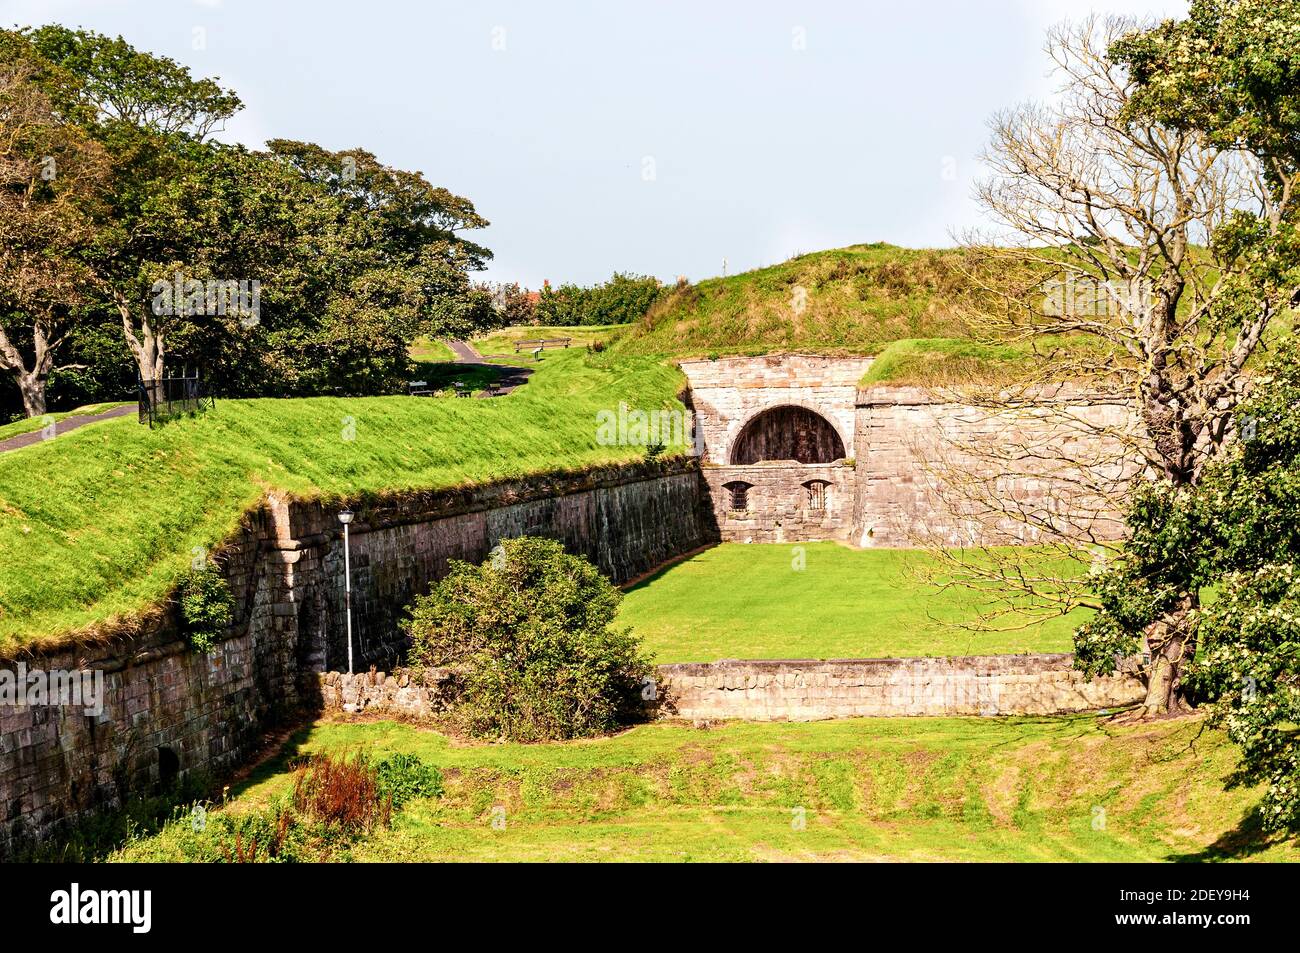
{"x": 172, "y": 396}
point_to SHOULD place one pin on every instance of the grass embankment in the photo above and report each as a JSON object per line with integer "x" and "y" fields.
{"x": 853, "y": 300}
{"x": 30, "y": 424}
{"x": 101, "y": 522}
{"x": 748, "y": 601}
{"x": 920, "y": 789}
{"x": 430, "y": 351}
{"x": 502, "y": 342}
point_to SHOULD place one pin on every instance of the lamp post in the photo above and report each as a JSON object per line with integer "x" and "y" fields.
{"x": 345, "y": 517}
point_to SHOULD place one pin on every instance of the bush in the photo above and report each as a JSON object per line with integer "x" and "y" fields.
{"x": 405, "y": 777}
{"x": 622, "y": 299}
{"x": 207, "y": 606}
{"x": 532, "y": 632}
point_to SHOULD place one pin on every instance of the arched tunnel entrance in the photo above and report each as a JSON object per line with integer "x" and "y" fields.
{"x": 788, "y": 433}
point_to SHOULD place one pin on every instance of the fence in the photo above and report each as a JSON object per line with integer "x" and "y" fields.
{"x": 172, "y": 396}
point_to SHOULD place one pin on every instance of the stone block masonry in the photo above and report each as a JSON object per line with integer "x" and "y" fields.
{"x": 806, "y": 690}
{"x": 169, "y": 711}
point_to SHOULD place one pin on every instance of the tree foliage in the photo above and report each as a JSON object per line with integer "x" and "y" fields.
{"x": 532, "y": 630}
{"x": 622, "y": 299}
{"x": 353, "y": 258}
{"x": 1237, "y": 530}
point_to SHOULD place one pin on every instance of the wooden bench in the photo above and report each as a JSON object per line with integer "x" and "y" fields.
{"x": 418, "y": 389}
{"x": 541, "y": 344}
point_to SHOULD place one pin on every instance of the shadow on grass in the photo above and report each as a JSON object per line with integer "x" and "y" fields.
{"x": 1245, "y": 840}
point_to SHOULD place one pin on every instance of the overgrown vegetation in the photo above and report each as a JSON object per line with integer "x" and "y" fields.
{"x": 622, "y": 299}
{"x": 855, "y": 299}
{"x": 101, "y": 522}
{"x": 332, "y": 802}
{"x": 531, "y": 633}
{"x": 207, "y": 606}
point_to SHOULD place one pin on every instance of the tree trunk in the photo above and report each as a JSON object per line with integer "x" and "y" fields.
{"x": 1172, "y": 646}
{"x": 32, "y": 388}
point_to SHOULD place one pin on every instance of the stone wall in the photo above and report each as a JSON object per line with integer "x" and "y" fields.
{"x": 933, "y": 469}
{"x": 778, "y": 508}
{"x": 169, "y": 711}
{"x": 803, "y": 690}
{"x": 727, "y": 393}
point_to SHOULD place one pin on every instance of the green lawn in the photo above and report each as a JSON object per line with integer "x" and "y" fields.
{"x": 430, "y": 350}
{"x": 742, "y": 600}
{"x": 1060, "y": 789}
{"x": 503, "y": 341}
{"x": 100, "y": 522}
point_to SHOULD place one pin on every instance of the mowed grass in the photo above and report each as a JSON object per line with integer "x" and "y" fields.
{"x": 924, "y": 789}
{"x": 749, "y": 601}
{"x": 503, "y": 341}
{"x": 99, "y": 523}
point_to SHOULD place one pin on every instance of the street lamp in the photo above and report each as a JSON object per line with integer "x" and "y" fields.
{"x": 345, "y": 517}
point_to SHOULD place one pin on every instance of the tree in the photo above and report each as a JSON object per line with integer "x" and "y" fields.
{"x": 1238, "y": 529}
{"x": 1130, "y": 263}
{"x": 153, "y": 119}
{"x": 52, "y": 177}
{"x": 531, "y": 630}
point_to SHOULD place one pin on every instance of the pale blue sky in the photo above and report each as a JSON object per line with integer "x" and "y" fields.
{"x": 657, "y": 138}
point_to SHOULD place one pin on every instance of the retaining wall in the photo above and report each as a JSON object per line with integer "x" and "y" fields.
{"x": 169, "y": 711}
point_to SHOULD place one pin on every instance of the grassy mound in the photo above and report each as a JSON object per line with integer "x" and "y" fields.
{"x": 919, "y": 789}
{"x": 748, "y": 601}
{"x": 856, "y": 299}
{"x": 99, "y": 523}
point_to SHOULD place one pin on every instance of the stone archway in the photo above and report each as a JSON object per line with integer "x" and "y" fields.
{"x": 787, "y": 432}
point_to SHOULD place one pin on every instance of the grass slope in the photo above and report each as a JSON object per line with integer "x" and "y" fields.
{"x": 502, "y": 342}
{"x": 855, "y": 299}
{"x": 30, "y": 424}
{"x": 101, "y": 522}
{"x": 746, "y": 601}
{"x": 921, "y": 789}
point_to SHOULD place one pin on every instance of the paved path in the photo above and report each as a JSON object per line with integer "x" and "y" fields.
{"x": 63, "y": 426}
{"x": 464, "y": 353}
{"x": 509, "y": 376}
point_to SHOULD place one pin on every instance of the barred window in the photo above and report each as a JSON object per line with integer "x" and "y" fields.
{"x": 738, "y": 493}
{"x": 816, "y": 494}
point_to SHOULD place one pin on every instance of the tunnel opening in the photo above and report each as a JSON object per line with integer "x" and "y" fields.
{"x": 788, "y": 433}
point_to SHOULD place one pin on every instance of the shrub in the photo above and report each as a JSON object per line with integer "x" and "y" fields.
{"x": 341, "y": 792}
{"x": 207, "y": 606}
{"x": 622, "y": 299}
{"x": 532, "y": 632}
{"x": 405, "y": 777}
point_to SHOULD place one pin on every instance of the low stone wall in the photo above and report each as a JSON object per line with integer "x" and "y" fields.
{"x": 806, "y": 690}
{"x": 400, "y": 694}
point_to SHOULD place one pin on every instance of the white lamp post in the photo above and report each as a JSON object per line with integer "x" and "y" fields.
{"x": 345, "y": 517}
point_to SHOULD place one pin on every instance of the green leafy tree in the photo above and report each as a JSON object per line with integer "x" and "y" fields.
{"x": 52, "y": 179}
{"x": 154, "y": 119}
{"x": 622, "y": 299}
{"x": 1237, "y": 530}
{"x": 532, "y": 630}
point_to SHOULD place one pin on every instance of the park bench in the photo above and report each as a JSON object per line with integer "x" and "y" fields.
{"x": 418, "y": 389}
{"x": 541, "y": 344}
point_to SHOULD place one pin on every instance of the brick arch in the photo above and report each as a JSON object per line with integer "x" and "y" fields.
{"x": 803, "y": 431}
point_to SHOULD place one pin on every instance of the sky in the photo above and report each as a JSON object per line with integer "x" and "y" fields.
{"x": 665, "y": 138}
